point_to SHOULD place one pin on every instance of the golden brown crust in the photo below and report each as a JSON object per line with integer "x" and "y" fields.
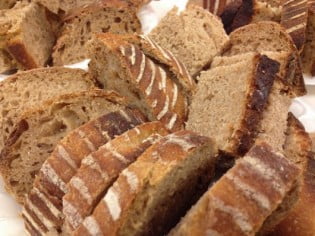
{"x": 101, "y": 168}
{"x": 244, "y": 197}
{"x": 149, "y": 170}
{"x": 45, "y": 199}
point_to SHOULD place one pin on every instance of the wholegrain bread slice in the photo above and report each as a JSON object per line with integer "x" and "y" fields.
{"x": 38, "y": 131}
{"x": 308, "y": 53}
{"x": 43, "y": 206}
{"x": 122, "y": 66}
{"x": 239, "y": 94}
{"x": 196, "y": 39}
{"x": 24, "y": 90}
{"x": 244, "y": 198}
{"x": 153, "y": 192}
{"x": 101, "y": 168}
{"x": 300, "y": 220}
{"x": 20, "y": 27}
{"x": 267, "y": 36}
{"x": 116, "y": 16}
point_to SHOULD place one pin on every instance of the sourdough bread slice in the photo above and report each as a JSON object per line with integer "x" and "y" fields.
{"x": 239, "y": 94}
{"x": 153, "y": 192}
{"x": 43, "y": 206}
{"x": 103, "y": 16}
{"x": 240, "y": 202}
{"x": 39, "y": 130}
{"x": 267, "y": 36}
{"x": 101, "y": 168}
{"x": 300, "y": 220}
{"x": 27, "y": 89}
{"x": 20, "y": 27}
{"x": 124, "y": 67}
{"x": 197, "y": 38}
{"x": 308, "y": 54}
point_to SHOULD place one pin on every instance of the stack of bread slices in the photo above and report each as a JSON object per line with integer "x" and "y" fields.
{"x": 184, "y": 131}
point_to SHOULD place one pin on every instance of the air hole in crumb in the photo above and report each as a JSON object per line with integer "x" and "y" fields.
{"x": 117, "y": 19}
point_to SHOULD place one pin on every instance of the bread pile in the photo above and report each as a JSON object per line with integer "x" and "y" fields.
{"x": 184, "y": 131}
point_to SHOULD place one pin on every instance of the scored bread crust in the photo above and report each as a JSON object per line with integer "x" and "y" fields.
{"x": 148, "y": 84}
{"x": 240, "y": 202}
{"x": 300, "y": 220}
{"x": 48, "y": 131}
{"x": 24, "y": 90}
{"x": 74, "y": 20}
{"x": 294, "y": 20}
{"x": 43, "y": 206}
{"x": 113, "y": 215}
{"x": 101, "y": 168}
{"x": 267, "y": 36}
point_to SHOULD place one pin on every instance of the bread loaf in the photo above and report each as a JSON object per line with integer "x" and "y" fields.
{"x": 101, "y": 168}
{"x": 122, "y": 66}
{"x": 20, "y": 27}
{"x": 39, "y": 130}
{"x": 197, "y": 37}
{"x": 43, "y": 206}
{"x": 24, "y": 90}
{"x": 308, "y": 53}
{"x": 243, "y": 199}
{"x": 300, "y": 220}
{"x": 116, "y": 16}
{"x": 267, "y": 36}
{"x": 239, "y": 94}
{"x": 153, "y": 192}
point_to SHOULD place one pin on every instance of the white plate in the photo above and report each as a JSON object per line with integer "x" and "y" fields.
{"x": 11, "y": 223}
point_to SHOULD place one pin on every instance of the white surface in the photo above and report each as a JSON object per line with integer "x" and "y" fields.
{"x": 304, "y": 108}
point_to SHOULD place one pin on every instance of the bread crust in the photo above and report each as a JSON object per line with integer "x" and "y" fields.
{"x": 244, "y": 197}
{"x": 45, "y": 199}
{"x": 149, "y": 170}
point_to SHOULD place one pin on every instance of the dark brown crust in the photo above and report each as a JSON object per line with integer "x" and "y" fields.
{"x": 243, "y": 16}
{"x": 19, "y": 52}
{"x": 229, "y": 14}
{"x": 265, "y": 75}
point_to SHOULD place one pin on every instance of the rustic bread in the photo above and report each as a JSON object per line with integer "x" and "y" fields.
{"x": 20, "y": 27}
{"x": 123, "y": 67}
{"x": 294, "y": 19}
{"x": 267, "y": 36}
{"x": 38, "y": 131}
{"x": 43, "y": 206}
{"x": 101, "y": 168}
{"x": 196, "y": 39}
{"x": 26, "y": 89}
{"x": 300, "y": 220}
{"x": 238, "y": 94}
{"x": 153, "y": 192}
{"x": 104, "y": 16}
{"x": 308, "y": 54}
{"x": 244, "y": 198}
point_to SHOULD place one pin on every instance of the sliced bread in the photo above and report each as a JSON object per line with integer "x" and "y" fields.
{"x": 101, "y": 168}
{"x": 153, "y": 192}
{"x": 43, "y": 206}
{"x": 308, "y": 54}
{"x": 300, "y": 220}
{"x": 230, "y": 101}
{"x": 267, "y": 36}
{"x": 24, "y": 90}
{"x": 243, "y": 199}
{"x": 20, "y": 27}
{"x": 116, "y": 16}
{"x": 196, "y": 39}
{"x": 122, "y": 66}
{"x": 38, "y": 131}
